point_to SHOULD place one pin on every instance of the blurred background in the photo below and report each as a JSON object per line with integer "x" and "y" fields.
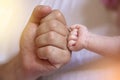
{"x": 84, "y": 65}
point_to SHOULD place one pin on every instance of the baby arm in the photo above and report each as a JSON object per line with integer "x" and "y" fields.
{"x": 80, "y": 38}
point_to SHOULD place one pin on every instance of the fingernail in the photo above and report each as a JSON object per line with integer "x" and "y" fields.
{"x": 72, "y": 42}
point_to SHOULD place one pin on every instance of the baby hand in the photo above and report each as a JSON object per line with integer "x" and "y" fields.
{"x": 77, "y": 37}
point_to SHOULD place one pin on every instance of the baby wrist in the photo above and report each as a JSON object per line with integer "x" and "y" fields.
{"x": 87, "y": 40}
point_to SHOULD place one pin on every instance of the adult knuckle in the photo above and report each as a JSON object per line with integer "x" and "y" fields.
{"x": 52, "y": 24}
{"x": 51, "y": 36}
{"x": 47, "y": 49}
{"x": 57, "y": 13}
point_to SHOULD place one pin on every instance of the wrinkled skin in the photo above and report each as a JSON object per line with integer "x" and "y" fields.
{"x": 43, "y": 46}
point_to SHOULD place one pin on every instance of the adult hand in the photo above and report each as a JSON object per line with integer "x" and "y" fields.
{"x": 43, "y": 46}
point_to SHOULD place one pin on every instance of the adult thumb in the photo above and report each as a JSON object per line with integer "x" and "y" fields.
{"x": 29, "y": 33}
{"x": 38, "y": 13}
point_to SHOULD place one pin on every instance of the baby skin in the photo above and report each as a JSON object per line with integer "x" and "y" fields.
{"x": 80, "y": 38}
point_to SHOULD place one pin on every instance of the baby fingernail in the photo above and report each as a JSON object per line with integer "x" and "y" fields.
{"x": 73, "y": 37}
{"x": 72, "y": 42}
{"x": 73, "y": 33}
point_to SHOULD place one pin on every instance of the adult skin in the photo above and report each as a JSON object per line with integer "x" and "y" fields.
{"x": 43, "y": 47}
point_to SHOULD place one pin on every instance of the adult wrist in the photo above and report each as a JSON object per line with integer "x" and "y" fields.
{"x": 11, "y": 70}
